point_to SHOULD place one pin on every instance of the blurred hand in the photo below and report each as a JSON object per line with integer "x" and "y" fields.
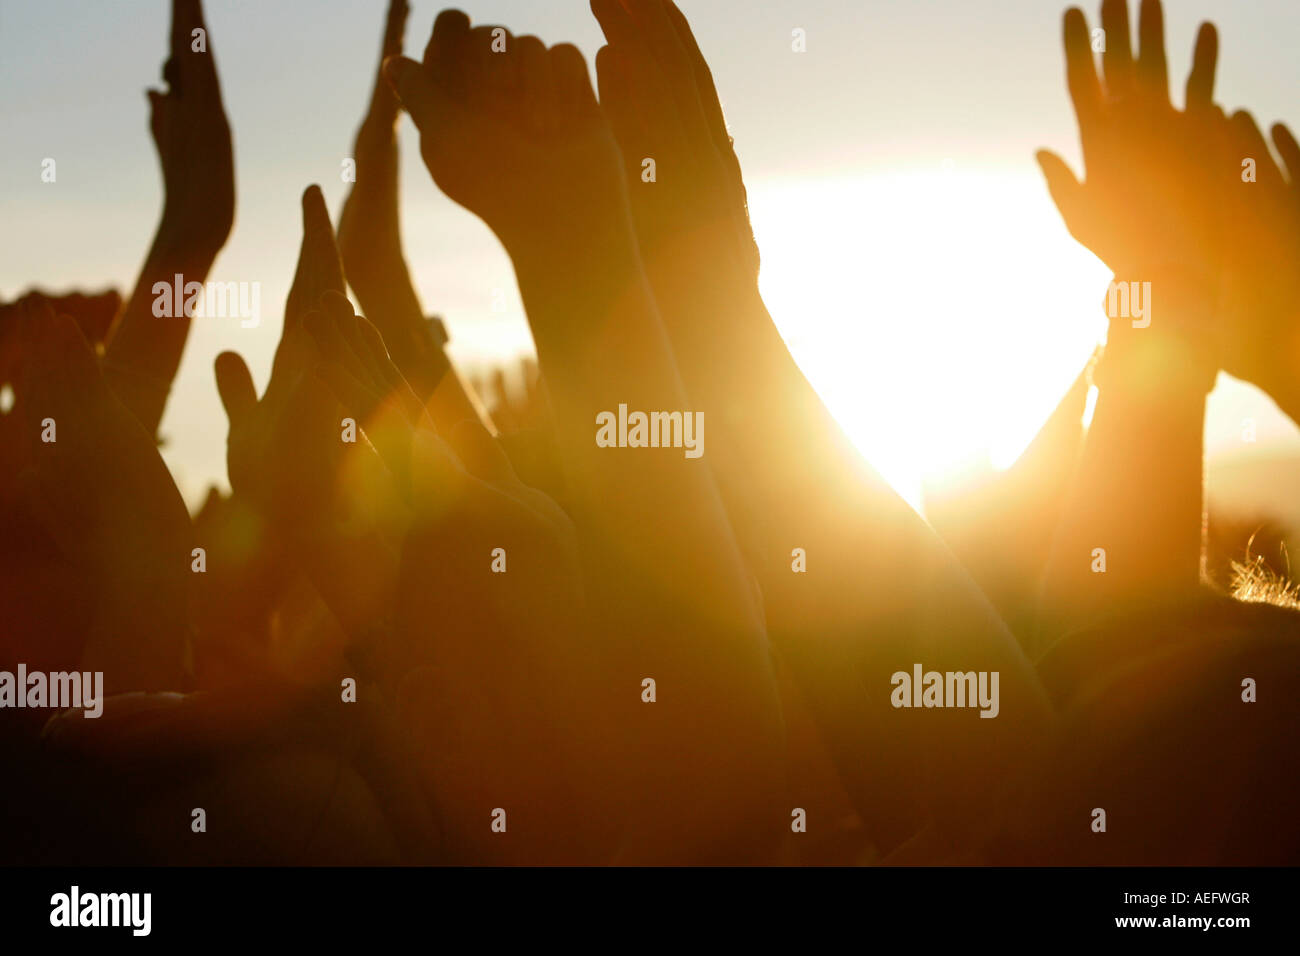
{"x": 1260, "y": 289}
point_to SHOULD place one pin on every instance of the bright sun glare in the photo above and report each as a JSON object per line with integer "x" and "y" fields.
{"x": 941, "y": 314}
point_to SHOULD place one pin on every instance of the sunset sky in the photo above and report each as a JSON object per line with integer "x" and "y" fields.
{"x": 911, "y": 255}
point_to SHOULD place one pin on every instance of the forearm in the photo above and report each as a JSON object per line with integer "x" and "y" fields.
{"x": 694, "y": 628}
{"x": 370, "y": 245}
{"x": 1131, "y": 528}
{"x": 144, "y": 353}
{"x": 877, "y": 592}
{"x": 601, "y": 345}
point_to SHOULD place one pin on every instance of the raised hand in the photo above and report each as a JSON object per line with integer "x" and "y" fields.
{"x": 1148, "y": 209}
{"x": 514, "y": 136}
{"x": 283, "y": 450}
{"x": 518, "y": 138}
{"x": 1147, "y": 165}
{"x": 657, "y": 91}
{"x": 365, "y": 380}
{"x": 190, "y": 132}
{"x": 370, "y": 235}
{"x": 1259, "y": 298}
{"x": 788, "y": 475}
{"x": 367, "y": 383}
{"x": 325, "y": 499}
{"x": 189, "y": 129}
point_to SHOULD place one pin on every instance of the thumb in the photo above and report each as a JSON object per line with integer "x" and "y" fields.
{"x": 235, "y": 385}
{"x": 1065, "y": 189}
{"x": 412, "y": 86}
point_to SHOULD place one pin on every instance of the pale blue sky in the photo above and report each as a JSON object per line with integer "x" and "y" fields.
{"x": 839, "y": 145}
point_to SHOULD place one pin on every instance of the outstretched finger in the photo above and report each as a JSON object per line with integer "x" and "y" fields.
{"x": 394, "y": 28}
{"x": 235, "y": 386}
{"x": 1200, "y": 81}
{"x": 705, "y": 88}
{"x": 1152, "y": 69}
{"x": 195, "y": 71}
{"x": 383, "y": 101}
{"x": 1117, "y": 55}
{"x": 615, "y": 22}
{"x": 319, "y": 266}
{"x": 1289, "y": 150}
{"x": 1080, "y": 70}
{"x": 187, "y": 16}
{"x": 571, "y": 80}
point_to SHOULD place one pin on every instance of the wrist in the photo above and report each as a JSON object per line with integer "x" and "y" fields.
{"x": 1161, "y": 324}
{"x": 183, "y": 250}
{"x": 592, "y": 258}
{"x": 1153, "y": 366}
{"x": 178, "y": 236}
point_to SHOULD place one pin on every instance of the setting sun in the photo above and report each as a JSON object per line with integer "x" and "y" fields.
{"x": 941, "y": 313}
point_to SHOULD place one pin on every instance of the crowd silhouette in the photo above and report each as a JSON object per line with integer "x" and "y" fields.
{"x": 466, "y": 632}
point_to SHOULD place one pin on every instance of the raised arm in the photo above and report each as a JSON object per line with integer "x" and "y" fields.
{"x": 370, "y": 243}
{"x": 880, "y": 593}
{"x": 190, "y": 132}
{"x": 1130, "y": 534}
{"x": 518, "y": 138}
{"x": 1260, "y": 292}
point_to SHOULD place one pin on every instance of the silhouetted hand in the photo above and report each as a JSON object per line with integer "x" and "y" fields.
{"x": 514, "y": 136}
{"x": 366, "y": 382}
{"x": 1145, "y": 161}
{"x": 658, "y": 93}
{"x": 370, "y": 235}
{"x": 189, "y": 129}
{"x": 283, "y": 450}
{"x": 1260, "y": 290}
{"x": 190, "y": 132}
{"x": 1146, "y": 209}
